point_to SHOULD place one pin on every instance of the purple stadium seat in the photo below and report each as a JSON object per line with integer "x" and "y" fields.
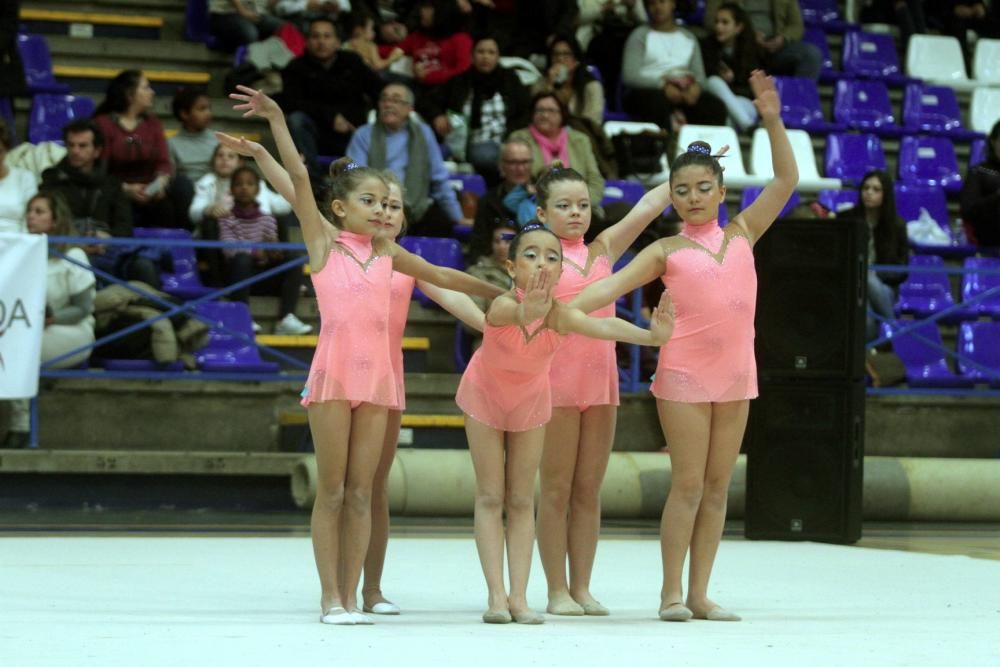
{"x": 51, "y": 113}
{"x": 226, "y": 352}
{"x": 872, "y": 56}
{"x": 864, "y": 105}
{"x": 441, "y": 251}
{"x": 800, "y": 105}
{"x": 911, "y": 198}
{"x": 629, "y": 192}
{"x": 473, "y": 183}
{"x": 817, "y": 37}
{"x": 837, "y": 200}
{"x": 38, "y": 65}
{"x": 850, "y": 156}
{"x": 934, "y": 110}
{"x": 823, "y": 13}
{"x": 7, "y": 115}
{"x": 980, "y": 342}
{"x": 751, "y": 193}
{"x": 184, "y": 282}
{"x": 981, "y": 275}
{"x": 929, "y": 161}
{"x": 196, "y": 23}
{"x": 924, "y": 293}
{"x": 922, "y": 353}
{"x": 977, "y": 153}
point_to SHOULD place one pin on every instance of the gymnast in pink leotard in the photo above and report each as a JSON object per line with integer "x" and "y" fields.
{"x": 707, "y": 374}
{"x": 579, "y": 438}
{"x": 351, "y": 384}
{"x": 506, "y": 396}
{"x": 462, "y": 307}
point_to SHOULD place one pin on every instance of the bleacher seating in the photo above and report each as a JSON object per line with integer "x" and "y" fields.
{"x": 872, "y": 56}
{"x": 441, "y": 251}
{"x": 865, "y": 105}
{"x": 934, "y": 110}
{"x": 986, "y": 62}
{"x": 801, "y": 107}
{"x": 850, "y": 156}
{"x": 817, "y": 37}
{"x": 938, "y": 59}
{"x": 911, "y": 198}
{"x": 823, "y": 13}
{"x": 929, "y": 161}
{"x": 750, "y": 194}
{"x": 982, "y": 274}
{"x": 50, "y": 113}
{"x": 629, "y": 192}
{"x": 230, "y": 347}
{"x": 921, "y": 350}
{"x": 38, "y": 76}
{"x": 984, "y": 110}
{"x": 837, "y": 201}
{"x": 805, "y": 159}
{"x": 718, "y": 136}
{"x": 924, "y": 293}
{"x": 977, "y": 153}
{"x": 196, "y": 23}
{"x": 980, "y": 342}
{"x": 184, "y": 281}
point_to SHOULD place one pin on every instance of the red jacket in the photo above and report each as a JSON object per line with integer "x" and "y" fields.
{"x": 138, "y": 156}
{"x": 447, "y": 57}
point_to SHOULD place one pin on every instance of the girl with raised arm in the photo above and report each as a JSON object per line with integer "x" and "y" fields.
{"x": 707, "y": 374}
{"x": 507, "y": 400}
{"x": 351, "y": 384}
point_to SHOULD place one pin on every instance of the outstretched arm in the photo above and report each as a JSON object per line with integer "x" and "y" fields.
{"x": 761, "y": 214}
{"x": 646, "y": 267}
{"x": 459, "y": 305}
{"x": 618, "y": 237}
{"x": 566, "y": 319}
{"x": 413, "y": 265}
{"x": 275, "y": 174}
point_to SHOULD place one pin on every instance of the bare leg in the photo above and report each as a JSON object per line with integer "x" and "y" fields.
{"x": 562, "y": 435}
{"x": 524, "y": 452}
{"x": 597, "y": 437}
{"x": 371, "y": 590}
{"x": 729, "y": 421}
{"x": 686, "y": 427}
{"x": 486, "y": 445}
{"x": 330, "y": 423}
{"x": 367, "y": 432}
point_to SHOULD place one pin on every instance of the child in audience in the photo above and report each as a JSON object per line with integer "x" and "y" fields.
{"x": 362, "y": 30}
{"x": 193, "y": 147}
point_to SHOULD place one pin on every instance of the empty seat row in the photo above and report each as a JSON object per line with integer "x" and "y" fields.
{"x": 920, "y": 347}
{"x": 927, "y": 289}
{"x": 927, "y": 161}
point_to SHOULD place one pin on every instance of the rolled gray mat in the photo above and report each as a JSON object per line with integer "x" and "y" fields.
{"x": 427, "y": 482}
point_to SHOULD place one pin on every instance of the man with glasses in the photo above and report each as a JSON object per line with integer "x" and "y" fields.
{"x": 515, "y": 172}
{"x": 326, "y": 94}
{"x": 399, "y": 141}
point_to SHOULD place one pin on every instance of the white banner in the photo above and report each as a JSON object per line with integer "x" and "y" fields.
{"x": 23, "y": 274}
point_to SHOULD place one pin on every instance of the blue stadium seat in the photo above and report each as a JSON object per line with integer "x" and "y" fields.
{"x": 823, "y": 13}
{"x": 911, "y": 198}
{"x": 929, "y": 161}
{"x": 7, "y": 115}
{"x": 196, "y": 23}
{"x": 872, "y": 56}
{"x": 977, "y": 153}
{"x": 440, "y": 251}
{"x": 922, "y": 353}
{"x": 980, "y": 342}
{"x": 38, "y": 65}
{"x": 817, "y": 37}
{"x": 750, "y": 194}
{"x": 850, "y": 156}
{"x": 934, "y": 110}
{"x": 51, "y": 113}
{"x": 924, "y": 293}
{"x": 982, "y": 274}
{"x": 801, "y": 107}
{"x": 225, "y": 351}
{"x": 629, "y": 192}
{"x": 864, "y": 105}
{"x": 184, "y": 281}
{"x": 836, "y": 201}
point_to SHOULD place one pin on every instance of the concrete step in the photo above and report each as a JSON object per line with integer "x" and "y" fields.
{"x": 170, "y": 11}
{"x": 88, "y": 25}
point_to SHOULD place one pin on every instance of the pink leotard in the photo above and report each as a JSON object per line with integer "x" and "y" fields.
{"x": 399, "y": 309}
{"x": 584, "y": 371}
{"x": 352, "y": 360}
{"x": 711, "y": 278}
{"x": 506, "y": 384}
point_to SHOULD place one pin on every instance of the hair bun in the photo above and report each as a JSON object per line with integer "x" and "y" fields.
{"x": 699, "y": 147}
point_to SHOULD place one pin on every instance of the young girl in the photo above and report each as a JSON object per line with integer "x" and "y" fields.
{"x": 707, "y": 374}
{"x": 463, "y": 308}
{"x": 506, "y": 397}
{"x": 584, "y": 392}
{"x": 730, "y": 54}
{"x": 362, "y": 42}
{"x": 351, "y": 385}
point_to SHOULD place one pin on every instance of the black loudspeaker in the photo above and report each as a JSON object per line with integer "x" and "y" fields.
{"x": 805, "y": 461}
{"x": 805, "y": 437}
{"x": 811, "y": 277}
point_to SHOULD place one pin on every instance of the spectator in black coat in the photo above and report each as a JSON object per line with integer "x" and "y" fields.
{"x": 980, "y": 200}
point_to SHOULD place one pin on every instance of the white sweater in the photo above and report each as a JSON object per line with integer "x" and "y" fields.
{"x": 210, "y": 189}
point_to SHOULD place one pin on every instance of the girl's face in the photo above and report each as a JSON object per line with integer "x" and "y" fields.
{"x": 392, "y": 222}
{"x": 39, "y": 216}
{"x": 726, "y": 27}
{"x": 225, "y": 162}
{"x": 696, "y": 194}
{"x": 536, "y": 251}
{"x": 362, "y": 211}
{"x": 871, "y": 193}
{"x": 244, "y": 189}
{"x": 567, "y": 211}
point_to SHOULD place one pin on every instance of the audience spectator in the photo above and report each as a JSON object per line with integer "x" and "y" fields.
{"x": 406, "y": 145}
{"x": 537, "y": 22}
{"x": 192, "y": 147}
{"x": 958, "y": 17}
{"x": 247, "y": 223}
{"x": 17, "y": 186}
{"x": 326, "y": 94}
{"x": 779, "y": 29}
{"x": 980, "y": 199}
{"x": 730, "y": 55}
{"x": 490, "y": 100}
{"x": 69, "y": 302}
{"x": 361, "y": 28}
{"x": 235, "y": 23}
{"x": 515, "y": 173}
{"x": 603, "y": 37}
{"x": 135, "y": 152}
{"x": 907, "y": 14}
{"x": 551, "y": 139}
{"x": 663, "y": 73}
{"x": 569, "y": 79}
{"x": 439, "y": 48}
{"x": 97, "y": 203}
{"x": 492, "y": 267}
{"x": 887, "y": 243}
{"x": 301, "y": 12}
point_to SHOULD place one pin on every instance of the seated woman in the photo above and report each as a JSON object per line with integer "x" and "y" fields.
{"x": 551, "y": 139}
{"x": 730, "y": 55}
{"x": 69, "y": 302}
{"x": 17, "y": 186}
{"x": 664, "y": 76}
{"x": 492, "y": 101}
{"x": 569, "y": 79}
{"x": 887, "y": 243}
{"x": 980, "y": 200}
{"x": 136, "y": 153}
